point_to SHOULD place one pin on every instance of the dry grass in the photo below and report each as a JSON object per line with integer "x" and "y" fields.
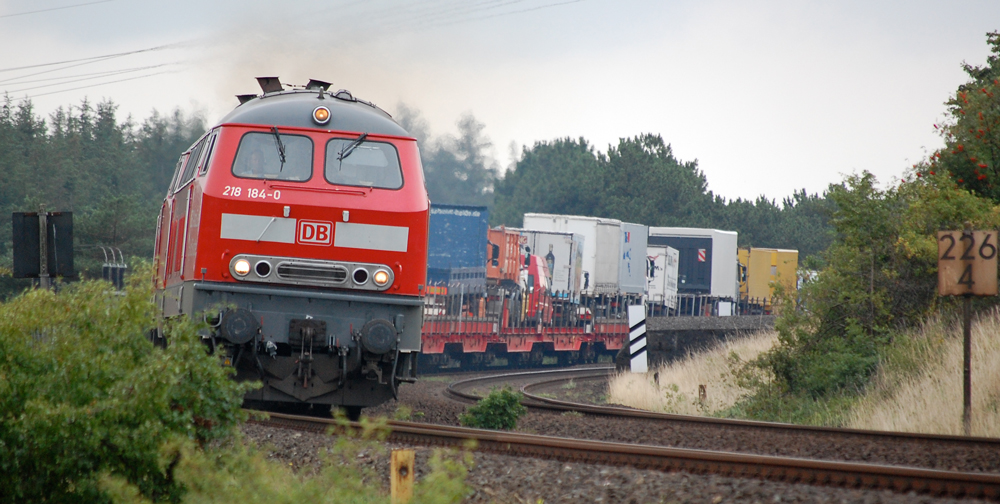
{"x": 677, "y": 391}
{"x": 919, "y": 389}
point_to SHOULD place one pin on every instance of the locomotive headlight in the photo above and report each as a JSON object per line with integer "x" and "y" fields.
{"x": 381, "y": 277}
{"x": 321, "y": 115}
{"x": 242, "y": 267}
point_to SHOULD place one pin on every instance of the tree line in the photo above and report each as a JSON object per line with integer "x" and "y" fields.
{"x": 111, "y": 174}
{"x": 639, "y": 180}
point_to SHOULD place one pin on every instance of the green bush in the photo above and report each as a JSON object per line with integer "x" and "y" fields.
{"x": 499, "y": 410}
{"x": 879, "y": 279}
{"x": 83, "y": 393}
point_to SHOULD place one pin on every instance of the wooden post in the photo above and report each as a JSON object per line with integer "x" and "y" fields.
{"x": 967, "y": 367}
{"x": 401, "y": 478}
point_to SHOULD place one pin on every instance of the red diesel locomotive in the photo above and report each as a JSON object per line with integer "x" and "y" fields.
{"x": 297, "y": 227}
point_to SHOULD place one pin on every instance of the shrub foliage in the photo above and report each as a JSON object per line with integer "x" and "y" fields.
{"x": 83, "y": 393}
{"x": 880, "y": 277}
{"x": 499, "y": 410}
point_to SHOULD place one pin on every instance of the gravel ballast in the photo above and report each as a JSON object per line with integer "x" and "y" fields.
{"x": 502, "y": 478}
{"x": 505, "y": 479}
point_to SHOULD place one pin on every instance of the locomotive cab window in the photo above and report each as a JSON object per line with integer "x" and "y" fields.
{"x": 189, "y": 167}
{"x": 208, "y": 155}
{"x": 356, "y": 162}
{"x": 274, "y": 156}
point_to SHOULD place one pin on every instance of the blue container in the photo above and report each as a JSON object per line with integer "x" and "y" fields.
{"x": 457, "y": 239}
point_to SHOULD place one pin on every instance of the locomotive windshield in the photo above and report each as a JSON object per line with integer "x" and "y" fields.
{"x": 274, "y": 156}
{"x": 369, "y": 164}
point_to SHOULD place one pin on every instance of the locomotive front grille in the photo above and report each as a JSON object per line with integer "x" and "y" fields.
{"x": 315, "y": 272}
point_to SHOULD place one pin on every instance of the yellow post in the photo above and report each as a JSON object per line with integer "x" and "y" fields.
{"x": 402, "y": 476}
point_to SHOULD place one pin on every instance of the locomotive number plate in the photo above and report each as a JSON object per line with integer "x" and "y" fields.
{"x": 252, "y": 193}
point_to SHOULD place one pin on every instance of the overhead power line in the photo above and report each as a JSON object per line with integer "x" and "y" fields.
{"x": 92, "y": 85}
{"x": 91, "y": 58}
{"x": 81, "y": 79}
{"x": 74, "y": 76}
{"x": 510, "y": 13}
{"x": 54, "y": 9}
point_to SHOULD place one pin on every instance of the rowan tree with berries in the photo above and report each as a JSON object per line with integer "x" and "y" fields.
{"x": 971, "y": 155}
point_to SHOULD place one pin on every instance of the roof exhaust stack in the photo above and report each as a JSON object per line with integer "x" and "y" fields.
{"x": 317, "y": 84}
{"x": 243, "y": 98}
{"x": 269, "y": 84}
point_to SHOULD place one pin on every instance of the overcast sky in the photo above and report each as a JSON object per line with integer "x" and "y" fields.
{"x": 768, "y": 96}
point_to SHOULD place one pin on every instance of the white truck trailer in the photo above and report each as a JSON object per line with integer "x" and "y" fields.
{"x": 614, "y": 253}
{"x": 707, "y": 263}
{"x": 563, "y": 255}
{"x": 662, "y": 275}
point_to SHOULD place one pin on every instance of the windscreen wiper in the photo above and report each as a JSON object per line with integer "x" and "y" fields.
{"x": 281, "y": 146}
{"x": 349, "y": 148}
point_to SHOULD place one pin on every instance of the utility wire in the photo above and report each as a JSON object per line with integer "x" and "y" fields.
{"x": 105, "y": 56}
{"x": 92, "y": 85}
{"x": 54, "y": 9}
{"x": 510, "y": 13}
{"x": 101, "y": 75}
{"x": 104, "y": 72}
{"x": 426, "y": 16}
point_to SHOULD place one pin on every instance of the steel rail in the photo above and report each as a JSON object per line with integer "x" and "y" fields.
{"x": 737, "y": 465}
{"x": 455, "y": 388}
{"x": 555, "y": 377}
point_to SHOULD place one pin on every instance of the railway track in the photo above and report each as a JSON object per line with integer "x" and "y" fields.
{"x": 530, "y": 383}
{"x": 738, "y": 465}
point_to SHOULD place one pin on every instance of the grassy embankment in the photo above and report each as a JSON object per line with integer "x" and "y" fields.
{"x": 677, "y": 390}
{"x": 918, "y": 386}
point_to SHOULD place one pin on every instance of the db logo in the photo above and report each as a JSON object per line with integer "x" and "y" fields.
{"x": 315, "y": 233}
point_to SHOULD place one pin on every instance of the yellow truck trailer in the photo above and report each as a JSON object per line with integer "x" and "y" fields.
{"x": 761, "y": 266}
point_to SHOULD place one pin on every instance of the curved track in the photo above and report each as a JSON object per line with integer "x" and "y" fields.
{"x": 549, "y": 380}
{"x": 792, "y": 470}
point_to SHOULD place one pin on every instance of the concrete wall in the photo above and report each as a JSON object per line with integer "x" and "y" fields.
{"x": 672, "y": 338}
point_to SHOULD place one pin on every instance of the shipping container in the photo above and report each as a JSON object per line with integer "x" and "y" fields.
{"x": 610, "y": 264}
{"x": 662, "y": 276}
{"x": 563, "y": 255}
{"x": 761, "y": 266}
{"x": 503, "y": 256}
{"x": 707, "y": 263}
{"x": 456, "y": 239}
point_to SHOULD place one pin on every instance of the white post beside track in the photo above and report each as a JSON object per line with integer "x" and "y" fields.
{"x": 637, "y": 338}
